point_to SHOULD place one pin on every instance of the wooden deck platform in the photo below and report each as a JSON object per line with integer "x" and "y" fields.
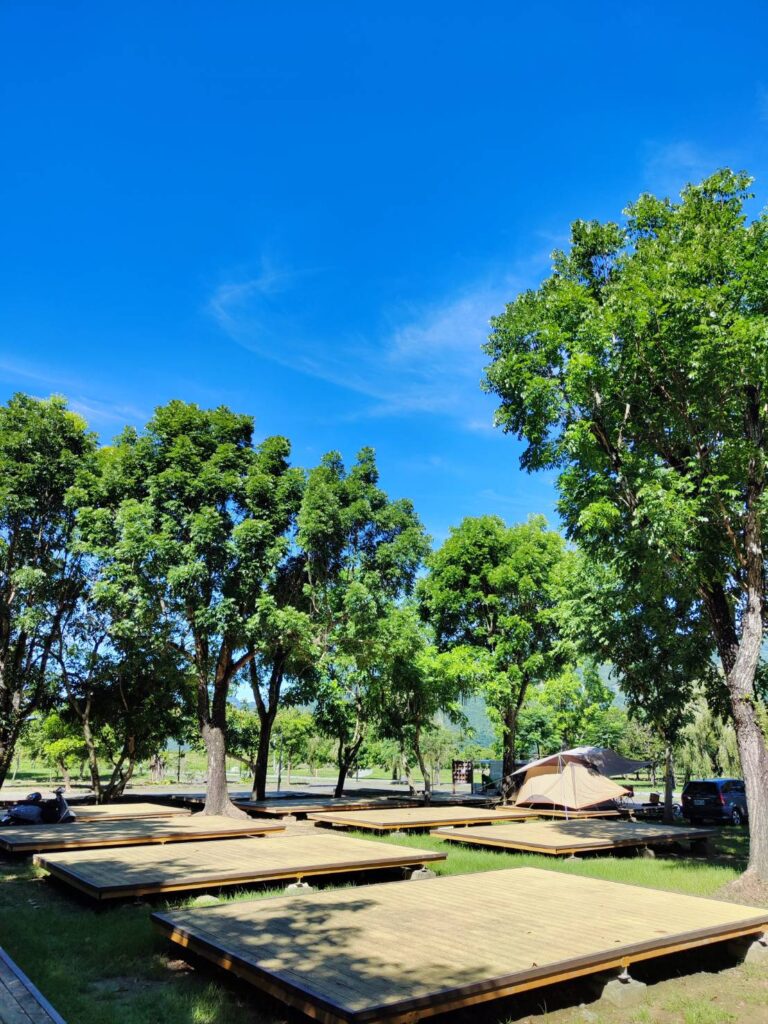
{"x": 20, "y": 1001}
{"x": 140, "y": 870}
{"x": 563, "y": 838}
{"x": 302, "y": 808}
{"x": 117, "y": 812}
{"x": 384, "y": 819}
{"x": 404, "y": 951}
{"x": 130, "y": 832}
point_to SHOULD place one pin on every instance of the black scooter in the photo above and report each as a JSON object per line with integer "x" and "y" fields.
{"x": 35, "y": 811}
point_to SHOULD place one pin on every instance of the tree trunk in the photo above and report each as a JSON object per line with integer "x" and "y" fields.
{"x": 93, "y": 761}
{"x": 669, "y": 785}
{"x": 754, "y": 766}
{"x": 213, "y": 729}
{"x": 341, "y": 779}
{"x": 65, "y": 776}
{"x": 217, "y": 795}
{"x": 8, "y": 738}
{"x": 347, "y": 755}
{"x": 740, "y": 658}
{"x": 266, "y": 721}
{"x": 508, "y": 755}
{"x": 120, "y": 777}
{"x": 424, "y": 771}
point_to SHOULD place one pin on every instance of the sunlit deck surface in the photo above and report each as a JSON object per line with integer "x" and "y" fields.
{"x": 563, "y": 838}
{"x": 301, "y": 808}
{"x": 20, "y": 1001}
{"x": 384, "y": 819}
{"x": 143, "y": 870}
{"x": 557, "y": 812}
{"x": 404, "y": 951}
{"x": 116, "y": 812}
{"x": 129, "y": 832}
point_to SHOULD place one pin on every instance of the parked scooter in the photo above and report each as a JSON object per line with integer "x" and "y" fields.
{"x": 34, "y": 810}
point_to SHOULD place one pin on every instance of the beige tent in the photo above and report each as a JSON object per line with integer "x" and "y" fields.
{"x": 570, "y": 785}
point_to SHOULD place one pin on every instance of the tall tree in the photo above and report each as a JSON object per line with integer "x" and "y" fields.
{"x": 491, "y": 591}
{"x": 190, "y": 521}
{"x": 362, "y": 554}
{"x": 639, "y": 370}
{"x": 43, "y": 448}
{"x": 285, "y": 650}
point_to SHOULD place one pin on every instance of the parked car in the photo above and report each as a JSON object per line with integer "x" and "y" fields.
{"x": 715, "y": 800}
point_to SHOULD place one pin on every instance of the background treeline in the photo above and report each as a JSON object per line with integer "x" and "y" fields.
{"x": 186, "y": 585}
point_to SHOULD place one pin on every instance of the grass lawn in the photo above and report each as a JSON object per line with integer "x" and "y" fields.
{"x": 99, "y": 967}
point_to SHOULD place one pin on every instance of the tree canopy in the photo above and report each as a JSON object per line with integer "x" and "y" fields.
{"x": 362, "y": 553}
{"x": 491, "y": 592}
{"x": 189, "y": 520}
{"x": 639, "y": 371}
{"x": 44, "y": 448}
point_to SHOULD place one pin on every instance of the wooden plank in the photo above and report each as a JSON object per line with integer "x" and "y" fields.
{"x": 129, "y": 832}
{"x": 140, "y": 870}
{"x": 399, "y": 952}
{"x": 20, "y": 1001}
{"x": 116, "y": 812}
{"x": 563, "y": 838}
{"x": 402, "y": 819}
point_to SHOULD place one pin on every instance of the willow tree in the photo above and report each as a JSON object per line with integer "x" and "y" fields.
{"x": 639, "y": 372}
{"x": 44, "y": 447}
{"x": 491, "y": 591}
{"x": 189, "y": 520}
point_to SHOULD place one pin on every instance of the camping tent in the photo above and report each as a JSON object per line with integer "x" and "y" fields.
{"x": 603, "y": 759}
{"x": 571, "y": 785}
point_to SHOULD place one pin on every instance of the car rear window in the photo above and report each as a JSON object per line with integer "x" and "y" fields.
{"x": 701, "y": 789}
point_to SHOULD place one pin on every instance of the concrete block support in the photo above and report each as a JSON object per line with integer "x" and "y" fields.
{"x": 299, "y": 889}
{"x": 751, "y": 949}
{"x": 620, "y": 990}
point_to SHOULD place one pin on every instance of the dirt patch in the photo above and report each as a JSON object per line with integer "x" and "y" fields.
{"x": 745, "y": 889}
{"x": 123, "y": 985}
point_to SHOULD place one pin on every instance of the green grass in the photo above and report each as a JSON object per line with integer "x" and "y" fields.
{"x": 105, "y": 966}
{"x": 694, "y": 876}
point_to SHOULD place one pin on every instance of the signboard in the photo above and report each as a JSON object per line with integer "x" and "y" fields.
{"x": 462, "y": 771}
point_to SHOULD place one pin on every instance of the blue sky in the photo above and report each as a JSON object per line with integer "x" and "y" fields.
{"x": 309, "y": 210}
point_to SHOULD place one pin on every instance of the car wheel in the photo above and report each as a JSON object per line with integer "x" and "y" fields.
{"x": 737, "y": 817}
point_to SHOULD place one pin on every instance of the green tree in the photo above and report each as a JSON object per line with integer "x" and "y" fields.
{"x": 43, "y": 448}
{"x": 57, "y": 741}
{"x": 362, "y": 554}
{"x": 655, "y": 638}
{"x": 285, "y": 649}
{"x": 639, "y": 371}
{"x": 491, "y": 593}
{"x": 418, "y": 683}
{"x": 189, "y": 521}
{"x": 293, "y": 730}
{"x": 124, "y": 691}
{"x": 243, "y": 732}
{"x": 707, "y": 744}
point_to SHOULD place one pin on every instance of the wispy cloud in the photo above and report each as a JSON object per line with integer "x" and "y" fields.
{"x": 670, "y": 166}
{"x": 428, "y": 360}
{"x": 42, "y": 382}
